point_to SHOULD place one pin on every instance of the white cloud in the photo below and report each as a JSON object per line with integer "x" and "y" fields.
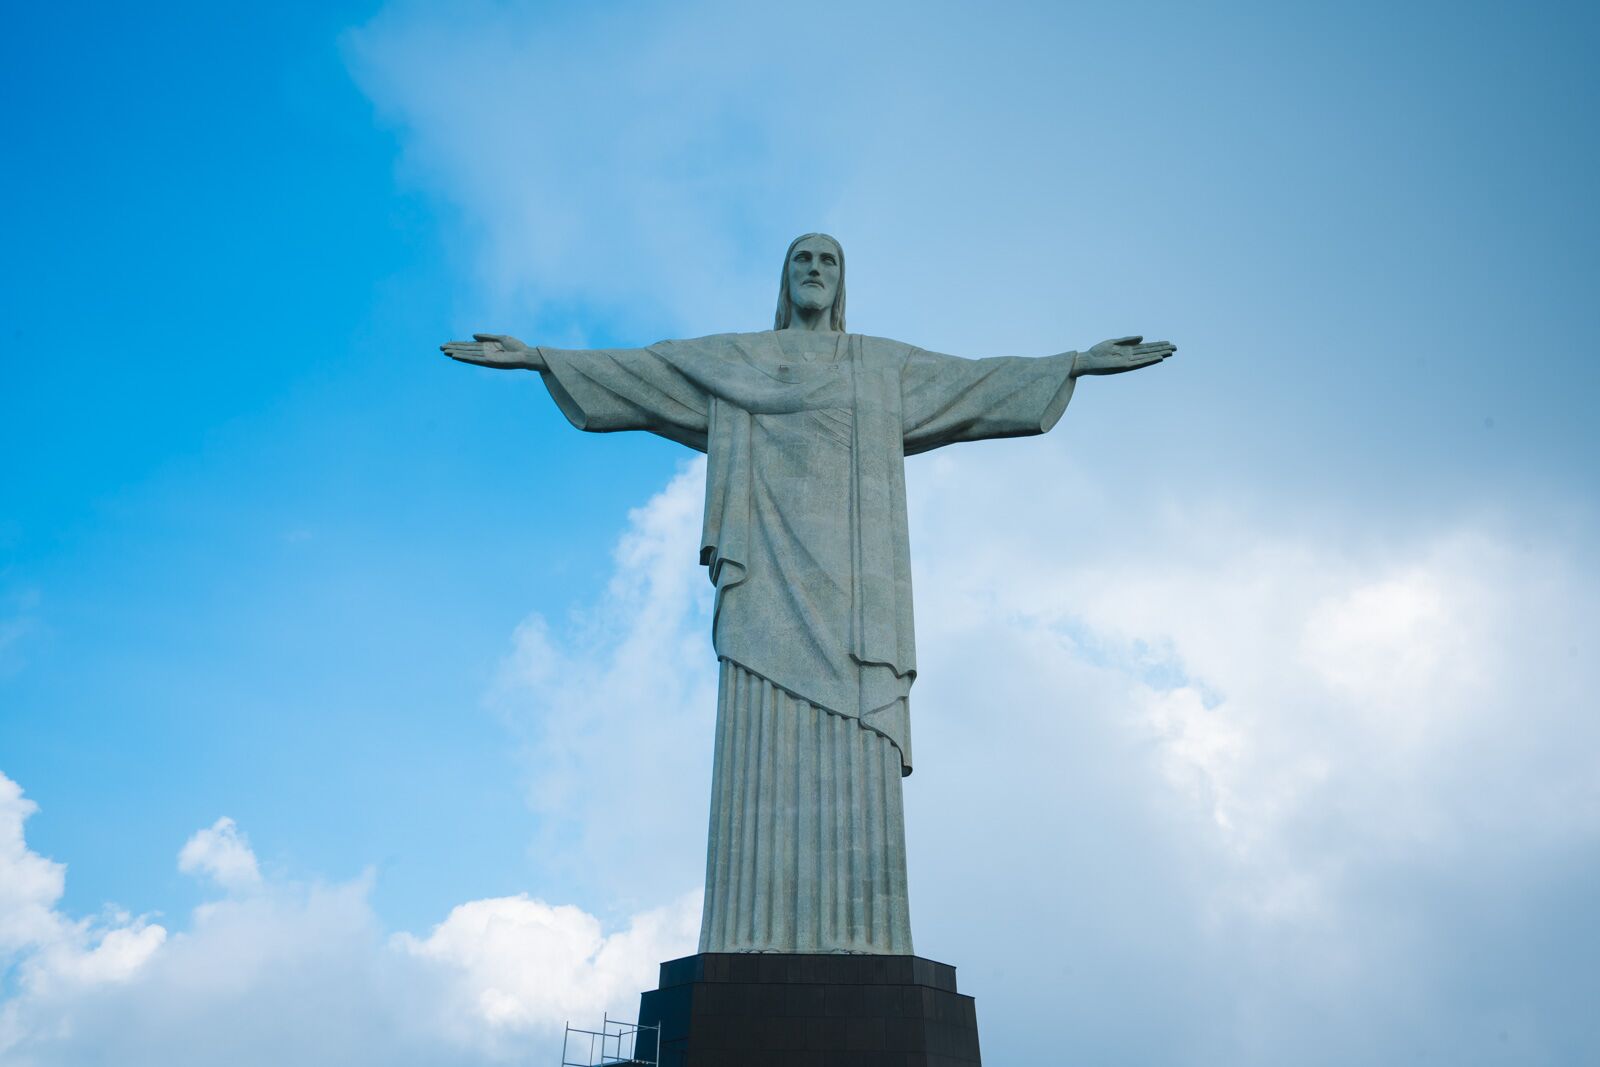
{"x": 520, "y": 964}
{"x": 49, "y": 954}
{"x": 223, "y": 853}
{"x": 30, "y": 884}
{"x": 303, "y": 973}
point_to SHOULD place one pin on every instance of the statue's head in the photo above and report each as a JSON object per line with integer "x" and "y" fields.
{"x": 813, "y": 278}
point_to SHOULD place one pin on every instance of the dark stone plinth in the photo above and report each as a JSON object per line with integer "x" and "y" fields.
{"x": 768, "y": 1010}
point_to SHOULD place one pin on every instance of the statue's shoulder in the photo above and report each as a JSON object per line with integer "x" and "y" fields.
{"x": 883, "y": 342}
{"x": 725, "y": 341}
{"x": 718, "y": 349}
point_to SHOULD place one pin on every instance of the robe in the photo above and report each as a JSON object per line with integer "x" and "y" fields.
{"x": 805, "y": 539}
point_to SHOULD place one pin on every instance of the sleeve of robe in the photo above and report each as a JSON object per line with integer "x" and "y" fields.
{"x": 604, "y": 390}
{"x": 947, "y": 399}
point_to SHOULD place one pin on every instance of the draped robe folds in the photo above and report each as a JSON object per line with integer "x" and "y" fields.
{"x": 805, "y": 539}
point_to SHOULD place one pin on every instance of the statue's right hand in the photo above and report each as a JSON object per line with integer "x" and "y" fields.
{"x": 494, "y": 350}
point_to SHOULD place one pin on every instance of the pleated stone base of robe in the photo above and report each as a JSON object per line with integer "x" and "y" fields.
{"x": 807, "y": 850}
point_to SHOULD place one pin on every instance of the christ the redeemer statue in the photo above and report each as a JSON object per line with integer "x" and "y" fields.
{"x": 805, "y": 428}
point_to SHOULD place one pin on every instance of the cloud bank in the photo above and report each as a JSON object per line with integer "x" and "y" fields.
{"x": 279, "y": 972}
{"x": 1285, "y": 794}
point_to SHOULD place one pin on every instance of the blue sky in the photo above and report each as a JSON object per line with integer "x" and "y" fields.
{"x": 1293, "y": 634}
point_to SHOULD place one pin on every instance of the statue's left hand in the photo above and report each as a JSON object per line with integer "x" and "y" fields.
{"x": 494, "y": 350}
{"x": 1121, "y": 354}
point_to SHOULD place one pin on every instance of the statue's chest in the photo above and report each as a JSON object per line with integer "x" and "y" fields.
{"x": 804, "y": 357}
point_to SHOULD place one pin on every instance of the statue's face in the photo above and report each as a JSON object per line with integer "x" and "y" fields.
{"x": 814, "y": 274}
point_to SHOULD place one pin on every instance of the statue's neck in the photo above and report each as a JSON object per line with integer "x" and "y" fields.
{"x": 814, "y": 320}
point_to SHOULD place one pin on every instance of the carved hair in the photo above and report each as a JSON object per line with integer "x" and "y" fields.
{"x": 786, "y": 305}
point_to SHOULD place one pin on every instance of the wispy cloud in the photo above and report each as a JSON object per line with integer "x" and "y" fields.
{"x": 616, "y": 704}
{"x": 645, "y": 169}
{"x": 19, "y": 621}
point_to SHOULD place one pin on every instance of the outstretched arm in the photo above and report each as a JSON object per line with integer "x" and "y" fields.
{"x": 495, "y": 350}
{"x": 1121, "y": 354}
{"x": 607, "y": 389}
{"x": 946, "y": 399}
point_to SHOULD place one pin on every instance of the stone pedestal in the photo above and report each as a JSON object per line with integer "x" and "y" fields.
{"x": 769, "y": 1010}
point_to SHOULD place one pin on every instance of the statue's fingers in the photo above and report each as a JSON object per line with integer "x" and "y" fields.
{"x": 479, "y": 354}
{"x": 1135, "y": 339}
